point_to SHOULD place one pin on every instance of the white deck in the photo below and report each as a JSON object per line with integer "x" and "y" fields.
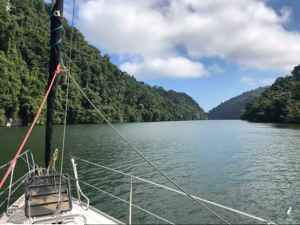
{"x": 93, "y": 216}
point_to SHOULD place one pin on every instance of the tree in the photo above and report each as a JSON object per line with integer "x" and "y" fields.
{"x": 279, "y": 103}
{"x": 24, "y": 61}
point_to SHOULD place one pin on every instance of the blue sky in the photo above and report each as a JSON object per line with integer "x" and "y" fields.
{"x": 211, "y": 50}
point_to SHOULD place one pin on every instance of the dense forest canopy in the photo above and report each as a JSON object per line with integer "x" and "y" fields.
{"x": 278, "y": 103}
{"x": 233, "y": 108}
{"x": 24, "y": 62}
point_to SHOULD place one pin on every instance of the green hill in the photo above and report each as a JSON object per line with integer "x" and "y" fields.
{"x": 233, "y": 108}
{"x": 279, "y": 103}
{"x": 24, "y": 61}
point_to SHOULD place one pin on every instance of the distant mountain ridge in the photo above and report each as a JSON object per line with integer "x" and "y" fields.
{"x": 233, "y": 108}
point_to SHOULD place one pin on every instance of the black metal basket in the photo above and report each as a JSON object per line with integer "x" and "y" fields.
{"x": 41, "y": 195}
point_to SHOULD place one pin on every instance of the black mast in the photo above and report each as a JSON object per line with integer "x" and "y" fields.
{"x": 56, "y": 26}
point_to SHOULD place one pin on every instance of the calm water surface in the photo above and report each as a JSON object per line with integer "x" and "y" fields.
{"x": 251, "y": 167}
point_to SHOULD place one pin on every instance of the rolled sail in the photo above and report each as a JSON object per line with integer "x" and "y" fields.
{"x": 56, "y": 28}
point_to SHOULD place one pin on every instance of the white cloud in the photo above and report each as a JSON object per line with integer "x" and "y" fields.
{"x": 68, "y": 10}
{"x": 249, "y": 80}
{"x": 246, "y": 32}
{"x": 268, "y": 81}
{"x": 177, "y": 67}
{"x": 215, "y": 68}
{"x": 286, "y": 13}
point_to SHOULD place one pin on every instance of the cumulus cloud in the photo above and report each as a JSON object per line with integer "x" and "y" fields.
{"x": 246, "y": 32}
{"x": 175, "y": 67}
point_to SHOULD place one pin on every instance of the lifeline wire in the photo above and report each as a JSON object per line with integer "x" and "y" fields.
{"x": 137, "y": 151}
{"x": 120, "y": 199}
{"x": 179, "y": 192}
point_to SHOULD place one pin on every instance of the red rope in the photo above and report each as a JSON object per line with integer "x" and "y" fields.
{"x": 57, "y": 71}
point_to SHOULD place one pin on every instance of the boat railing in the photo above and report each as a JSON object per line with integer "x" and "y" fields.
{"x": 31, "y": 168}
{"x": 157, "y": 185}
{"x": 116, "y": 197}
{"x": 79, "y": 191}
{"x": 29, "y": 160}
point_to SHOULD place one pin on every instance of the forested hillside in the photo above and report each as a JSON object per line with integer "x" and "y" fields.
{"x": 233, "y": 108}
{"x": 24, "y": 61}
{"x": 279, "y": 103}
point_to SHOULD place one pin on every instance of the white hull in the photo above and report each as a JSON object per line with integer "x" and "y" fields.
{"x": 78, "y": 215}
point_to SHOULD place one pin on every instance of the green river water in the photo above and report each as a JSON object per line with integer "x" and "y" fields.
{"x": 251, "y": 167}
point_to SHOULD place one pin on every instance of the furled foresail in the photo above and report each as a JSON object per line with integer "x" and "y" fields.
{"x": 56, "y": 28}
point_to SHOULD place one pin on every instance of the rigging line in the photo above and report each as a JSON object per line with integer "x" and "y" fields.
{"x": 4, "y": 165}
{"x": 12, "y": 160}
{"x": 64, "y": 132}
{"x": 17, "y": 181}
{"x": 57, "y": 71}
{"x": 179, "y": 192}
{"x": 67, "y": 98}
{"x": 150, "y": 163}
{"x": 120, "y": 199}
{"x": 27, "y": 162}
{"x": 72, "y": 32}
